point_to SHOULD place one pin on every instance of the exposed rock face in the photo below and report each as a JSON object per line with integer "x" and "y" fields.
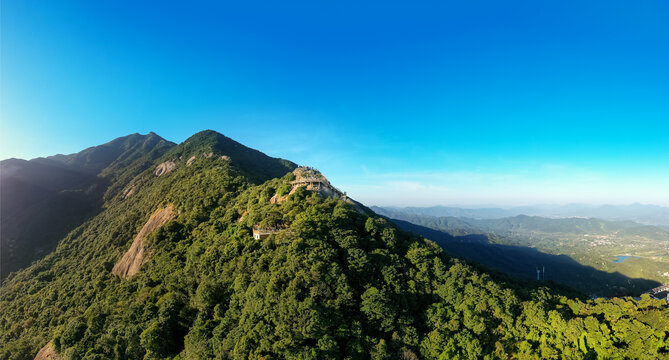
{"x": 225, "y": 157}
{"x": 241, "y": 218}
{"x": 138, "y": 253}
{"x": 313, "y": 180}
{"x": 190, "y": 161}
{"x": 276, "y": 199}
{"x": 47, "y": 353}
{"x": 165, "y": 167}
{"x": 128, "y": 192}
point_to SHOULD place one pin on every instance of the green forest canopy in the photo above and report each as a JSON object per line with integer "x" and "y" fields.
{"x": 336, "y": 284}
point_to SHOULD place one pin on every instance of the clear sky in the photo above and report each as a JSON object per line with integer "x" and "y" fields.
{"x": 398, "y": 103}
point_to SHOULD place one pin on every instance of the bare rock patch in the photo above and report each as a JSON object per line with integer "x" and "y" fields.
{"x": 276, "y": 199}
{"x": 128, "y": 192}
{"x": 241, "y": 218}
{"x": 138, "y": 253}
{"x": 47, "y": 353}
{"x": 165, "y": 167}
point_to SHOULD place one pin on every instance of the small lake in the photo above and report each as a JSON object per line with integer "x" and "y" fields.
{"x": 620, "y": 258}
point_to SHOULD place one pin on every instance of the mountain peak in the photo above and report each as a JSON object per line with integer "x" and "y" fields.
{"x": 256, "y": 165}
{"x": 50, "y": 196}
{"x": 96, "y": 158}
{"x": 218, "y": 264}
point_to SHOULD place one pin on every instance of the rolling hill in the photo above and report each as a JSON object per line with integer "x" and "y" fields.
{"x": 214, "y": 251}
{"x": 578, "y": 252}
{"x": 640, "y": 213}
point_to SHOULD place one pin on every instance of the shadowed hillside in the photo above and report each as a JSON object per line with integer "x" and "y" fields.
{"x": 523, "y": 261}
{"x": 45, "y": 198}
{"x": 169, "y": 268}
{"x": 519, "y": 244}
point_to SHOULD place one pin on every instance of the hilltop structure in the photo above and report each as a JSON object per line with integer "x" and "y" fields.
{"x": 260, "y": 233}
{"x": 315, "y": 181}
{"x": 335, "y": 283}
{"x": 660, "y": 293}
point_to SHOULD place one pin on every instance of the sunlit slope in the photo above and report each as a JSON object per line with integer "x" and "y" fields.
{"x": 588, "y": 242}
{"x": 330, "y": 282}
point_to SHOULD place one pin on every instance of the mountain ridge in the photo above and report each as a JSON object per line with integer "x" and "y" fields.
{"x": 589, "y": 242}
{"x": 252, "y": 162}
{"x": 643, "y": 213}
{"x": 328, "y": 282}
{"x": 45, "y": 198}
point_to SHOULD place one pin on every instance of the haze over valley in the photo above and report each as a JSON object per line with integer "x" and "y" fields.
{"x": 627, "y": 255}
{"x": 334, "y": 180}
{"x": 141, "y": 225}
{"x": 640, "y": 213}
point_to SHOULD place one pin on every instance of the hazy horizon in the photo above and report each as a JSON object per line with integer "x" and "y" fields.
{"x": 403, "y": 193}
{"x": 505, "y": 207}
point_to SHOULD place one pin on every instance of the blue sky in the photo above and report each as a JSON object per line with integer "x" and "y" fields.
{"x": 469, "y": 103}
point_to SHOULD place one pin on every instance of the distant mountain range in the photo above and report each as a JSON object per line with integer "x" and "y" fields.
{"x": 566, "y": 246}
{"x": 145, "y": 249}
{"x": 641, "y": 213}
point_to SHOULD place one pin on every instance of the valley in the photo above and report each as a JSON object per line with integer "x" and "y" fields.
{"x": 196, "y": 180}
{"x": 213, "y": 250}
{"x": 591, "y": 243}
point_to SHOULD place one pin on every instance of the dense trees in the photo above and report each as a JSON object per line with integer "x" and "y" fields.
{"x": 576, "y": 252}
{"x": 45, "y": 198}
{"x": 334, "y": 284}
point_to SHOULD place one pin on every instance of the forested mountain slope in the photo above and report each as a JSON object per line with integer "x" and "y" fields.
{"x": 330, "y": 282}
{"x": 45, "y": 198}
{"x": 578, "y": 252}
